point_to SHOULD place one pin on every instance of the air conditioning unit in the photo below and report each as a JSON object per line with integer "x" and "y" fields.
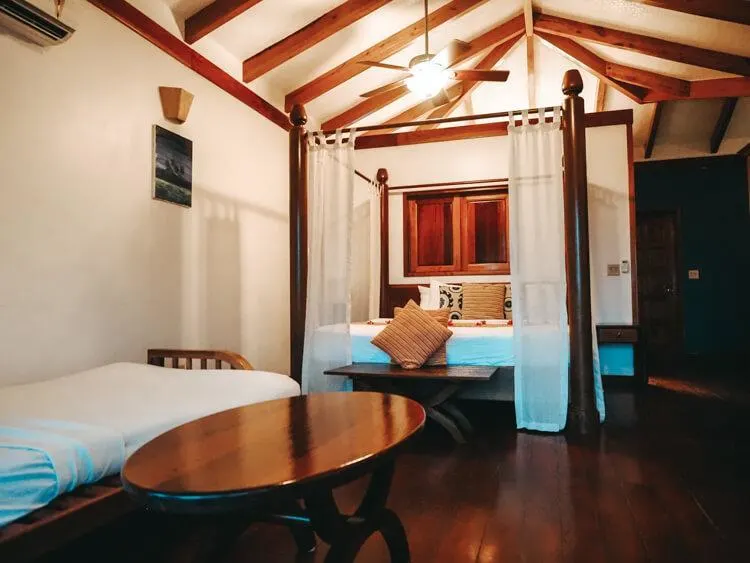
{"x": 30, "y": 23}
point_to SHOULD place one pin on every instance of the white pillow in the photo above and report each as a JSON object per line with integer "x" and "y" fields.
{"x": 425, "y": 298}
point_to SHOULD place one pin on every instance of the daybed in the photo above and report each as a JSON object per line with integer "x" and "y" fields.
{"x": 63, "y": 441}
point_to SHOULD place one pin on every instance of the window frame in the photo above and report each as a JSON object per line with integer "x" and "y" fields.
{"x": 461, "y": 265}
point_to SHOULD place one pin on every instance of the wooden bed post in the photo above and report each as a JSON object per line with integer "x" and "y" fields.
{"x": 382, "y": 178}
{"x": 297, "y": 239}
{"x": 582, "y": 414}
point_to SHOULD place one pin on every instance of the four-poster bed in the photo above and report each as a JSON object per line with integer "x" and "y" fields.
{"x": 582, "y": 412}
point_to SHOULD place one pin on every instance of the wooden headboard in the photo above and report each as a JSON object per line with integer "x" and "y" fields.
{"x": 397, "y": 296}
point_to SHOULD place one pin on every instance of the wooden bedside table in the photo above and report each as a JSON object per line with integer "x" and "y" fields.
{"x": 627, "y": 334}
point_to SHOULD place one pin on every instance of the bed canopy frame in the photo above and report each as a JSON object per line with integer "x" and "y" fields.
{"x": 582, "y": 414}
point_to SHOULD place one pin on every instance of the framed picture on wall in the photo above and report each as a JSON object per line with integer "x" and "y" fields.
{"x": 172, "y": 167}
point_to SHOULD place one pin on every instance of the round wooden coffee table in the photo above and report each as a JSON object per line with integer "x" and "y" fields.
{"x": 257, "y": 462}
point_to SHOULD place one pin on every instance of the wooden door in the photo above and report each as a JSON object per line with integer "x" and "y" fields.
{"x": 659, "y": 288}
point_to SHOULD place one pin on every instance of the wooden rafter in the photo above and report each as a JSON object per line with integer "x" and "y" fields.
{"x": 501, "y": 33}
{"x": 660, "y": 48}
{"x": 326, "y": 25}
{"x": 728, "y": 10}
{"x": 493, "y": 129}
{"x": 528, "y": 17}
{"x": 647, "y": 79}
{"x": 416, "y": 111}
{"x": 653, "y": 128}
{"x": 530, "y": 74}
{"x": 386, "y": 48}
{"x": 488, "y": 62}
{"x": 594, "y": 64}
{"x": 128, "y": 15}
{"x": 601, "y": 95}
{"x": 722, "y": 123}
{"x": 711, "y": 88}
{"x": 213, "y": 16}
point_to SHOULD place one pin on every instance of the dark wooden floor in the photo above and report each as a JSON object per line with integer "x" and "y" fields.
{"x": 668, "y": 481}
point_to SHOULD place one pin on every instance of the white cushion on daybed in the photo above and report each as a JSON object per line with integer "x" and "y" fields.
{"x": 141, "y": 401}
{"x": 57, "y": 434}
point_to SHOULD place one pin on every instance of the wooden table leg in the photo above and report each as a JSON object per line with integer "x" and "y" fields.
{"x": 346, "y": 534}
{"x": 458, "y": 416}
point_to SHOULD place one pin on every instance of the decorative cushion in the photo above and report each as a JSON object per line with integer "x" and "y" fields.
{"x": 483, "y": 301}
{"x": 441, "y": 316}
{"x": 508, "y": 305}
{"x": 447, "y": 296}
{"x": 412, "y": 337}
{"x": 424, "y": 297}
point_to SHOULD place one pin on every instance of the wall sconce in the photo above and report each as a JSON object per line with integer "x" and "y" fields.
{"x": 175, "y": 103}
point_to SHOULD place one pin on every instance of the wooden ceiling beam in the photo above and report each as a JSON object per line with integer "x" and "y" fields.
{"x": 487, "y": 63}
{"x": 594, "y": 64}
{"x": 711, "y": 88}
{"x": 643, "y": 44}
{"x": 601, "y": 95}
{"x": 530, "y": 75}
{"x": 501, "y": 33}
{"x": 379, "y": 52}
{"x": 653, "y": 128}
{"x": 213, "y": 16}
{"x": 727, "y": 10}
{"x": 648, "y": 79}
{"x": 493, "y": 129}
{"x": 124, "y": 12}
{"x": 528, "y": 17}
{"x": 722, "y": 124}
{"x": 316, "y": 31}
{"x": 416, "y": 111}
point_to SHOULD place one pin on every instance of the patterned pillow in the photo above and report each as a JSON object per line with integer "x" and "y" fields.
{"x": 412, "y": 337}
{"x": 450, "y": 296}
{"x": 508, "y": 305}
{"x": 441, "y": 316}
{"x": 483, "y": 301}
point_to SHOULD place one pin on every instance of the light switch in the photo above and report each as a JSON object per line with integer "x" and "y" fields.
{"x": 694, "y": 274}
{"x": 613, "y": 269}
{"x": 625, "y": 266}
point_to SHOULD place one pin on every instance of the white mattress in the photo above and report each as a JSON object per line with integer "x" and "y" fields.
{"x": 469, "y": 346}
{"x": 132, "y": 402}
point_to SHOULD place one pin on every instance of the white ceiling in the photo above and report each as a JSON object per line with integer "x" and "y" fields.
{"x": 685, "y": 127}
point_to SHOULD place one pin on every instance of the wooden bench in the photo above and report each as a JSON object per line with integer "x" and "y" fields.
{"x": 89, "y": 507}
{"x": 433, "y": 386}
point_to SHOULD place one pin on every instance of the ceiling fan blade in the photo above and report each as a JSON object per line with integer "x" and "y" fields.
{"x": 449, "y": 54}
{"x": 384, "y": 65}
{"x": 482, "y": 75}
{"x": 385, "y": 88}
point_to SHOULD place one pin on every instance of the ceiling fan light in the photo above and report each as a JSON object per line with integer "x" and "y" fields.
{"x": 427, "y": 79}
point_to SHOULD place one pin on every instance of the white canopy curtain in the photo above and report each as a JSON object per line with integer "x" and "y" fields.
{"x": 537, "y": 257}
{"x": 537, "y": 264}
{"x": 330, "y": 208}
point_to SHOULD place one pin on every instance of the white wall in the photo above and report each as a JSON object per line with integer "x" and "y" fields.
{"x": 479, "y": 159}
{"x": 94, "y": 270}
{"x": 454, "y": 161}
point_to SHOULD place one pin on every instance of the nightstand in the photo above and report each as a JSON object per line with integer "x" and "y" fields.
{"x": 627, "y": 334}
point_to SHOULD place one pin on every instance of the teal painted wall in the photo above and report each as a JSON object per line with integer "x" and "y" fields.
{"x": 711, "y": 195}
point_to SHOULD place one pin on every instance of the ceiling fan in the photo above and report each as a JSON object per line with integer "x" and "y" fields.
{"x": 429, "y": 74}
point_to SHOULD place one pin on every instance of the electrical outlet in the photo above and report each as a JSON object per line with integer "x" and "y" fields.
{"x": 625, "y": 267}
{"x": 613, "y": 269}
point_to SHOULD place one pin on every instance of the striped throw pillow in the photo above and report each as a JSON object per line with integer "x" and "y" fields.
{"x": 440, "y": 315}
{"x": 483, "y": 301}
{"x": 412, "y": 337}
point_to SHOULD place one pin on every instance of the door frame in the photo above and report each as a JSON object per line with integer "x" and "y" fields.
{"x": 679, "y": 267}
